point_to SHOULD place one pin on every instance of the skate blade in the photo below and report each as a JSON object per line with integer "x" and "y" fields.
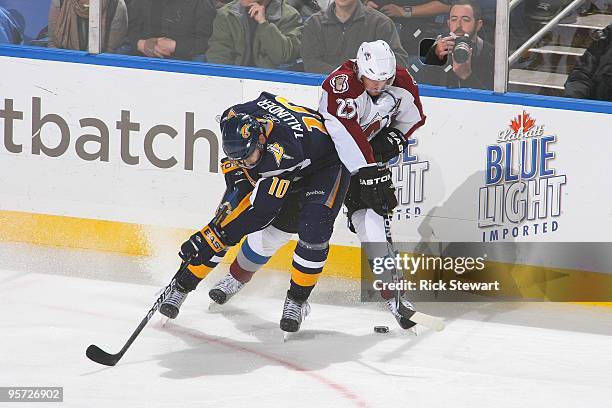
{"x": 163, "y": 320}
{"x": 214, "y": 307}
{"x": 431, "y": 322}
{"x": 286, "y": 336}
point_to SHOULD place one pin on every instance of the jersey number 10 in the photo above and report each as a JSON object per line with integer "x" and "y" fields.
{"x": 279, "y": 187}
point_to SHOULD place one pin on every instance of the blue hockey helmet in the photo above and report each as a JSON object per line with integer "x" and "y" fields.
{"x": 240, "y": 138}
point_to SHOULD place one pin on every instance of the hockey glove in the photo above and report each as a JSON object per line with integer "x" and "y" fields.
{"x": 387, "y": 144}
{"x": 203, "y": 245}
{"x": 376, "y": 189}
{"x": 234, "y": 175}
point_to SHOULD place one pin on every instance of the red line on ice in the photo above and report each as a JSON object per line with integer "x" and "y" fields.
{"x": 338, "y": 388}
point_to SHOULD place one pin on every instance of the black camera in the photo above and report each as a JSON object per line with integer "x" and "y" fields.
{"x": 461, "y": 51}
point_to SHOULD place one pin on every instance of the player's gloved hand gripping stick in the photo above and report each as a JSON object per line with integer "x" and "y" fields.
{"x": 100, "y": 356}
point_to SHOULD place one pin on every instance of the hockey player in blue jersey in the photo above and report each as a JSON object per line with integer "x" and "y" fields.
{"x": 283, "y": 176}
{"x": 389, "y": 109}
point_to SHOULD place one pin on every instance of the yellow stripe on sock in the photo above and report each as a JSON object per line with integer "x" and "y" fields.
{"x": 200, "y": 270}
{"x": 304, "y": 279}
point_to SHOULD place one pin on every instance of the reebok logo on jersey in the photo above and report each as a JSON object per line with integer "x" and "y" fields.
{"x": 339, "y": 83}
{"x": 313, "y": 192}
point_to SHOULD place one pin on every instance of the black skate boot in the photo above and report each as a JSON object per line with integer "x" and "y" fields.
{"x": 225, "y": 289}
{"x": 403, "y": 313}
{"x": 293, "y": 314}
{"x": 170, "y": 307}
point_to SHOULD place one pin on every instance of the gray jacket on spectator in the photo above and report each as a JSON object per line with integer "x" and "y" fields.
{"x": 238, "y": 40}
{"x": 327, "y": 43}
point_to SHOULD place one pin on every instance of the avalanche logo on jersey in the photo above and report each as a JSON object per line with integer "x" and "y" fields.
{"x": 279, "y": 153}
{"x": 382, "y": 113}
{"x": 340, "y": 83}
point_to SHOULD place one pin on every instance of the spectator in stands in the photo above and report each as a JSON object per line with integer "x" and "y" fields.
{"x": 413, "y": 16}
{"x": 334, "y": 35}
{"x": 542, "y": 11}
{"x": 177, "y": 29}
{"x": 464, "y": 21}
{"x": 306, "y": 8}
{"x": 591, "y": 78}
{"x": 69, "y": 24}
{"x": 257, "y": 33}
{"x": 10, "y": 31}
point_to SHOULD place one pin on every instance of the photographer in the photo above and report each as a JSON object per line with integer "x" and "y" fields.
{"x": 472, "y": 58}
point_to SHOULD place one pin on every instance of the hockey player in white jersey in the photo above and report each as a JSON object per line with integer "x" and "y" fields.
{"x": 371, "y": 107}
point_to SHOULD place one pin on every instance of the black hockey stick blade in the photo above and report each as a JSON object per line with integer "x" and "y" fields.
{"x": 96, "y": 354}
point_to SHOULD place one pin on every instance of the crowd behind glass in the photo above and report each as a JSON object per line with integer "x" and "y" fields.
{"x": 440, "y": 42}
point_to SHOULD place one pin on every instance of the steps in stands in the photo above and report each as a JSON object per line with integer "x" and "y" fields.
{"x": 546, "y": 68}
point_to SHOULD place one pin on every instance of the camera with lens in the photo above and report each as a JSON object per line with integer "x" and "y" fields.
{"x": 461, "y": 51}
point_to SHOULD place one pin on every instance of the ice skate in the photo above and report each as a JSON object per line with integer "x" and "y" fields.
{"x": 170, "y": 307}
{"x": 225, "y": 289}
{"x": 293, "y": 314}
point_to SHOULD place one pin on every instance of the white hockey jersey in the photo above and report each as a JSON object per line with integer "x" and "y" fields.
{"x": 352, "y": 117}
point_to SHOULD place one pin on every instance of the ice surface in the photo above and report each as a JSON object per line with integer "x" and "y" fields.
{"x": 56, "y": 302}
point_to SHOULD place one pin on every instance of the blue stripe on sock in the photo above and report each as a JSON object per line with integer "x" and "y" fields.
{"x": 251, "y": 255}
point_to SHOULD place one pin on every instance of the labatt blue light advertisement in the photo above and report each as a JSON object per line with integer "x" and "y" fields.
{"x": 522, "y": 195}
{"x": 409, "y": 177}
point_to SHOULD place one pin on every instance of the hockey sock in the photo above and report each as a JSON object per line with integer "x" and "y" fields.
{"x": 194, "y": 274}
{"x": 308, "y": 261}
{"x": 299, "y": 293}
{"x": 247, "y": 262}
{"x": 384, "y": 293}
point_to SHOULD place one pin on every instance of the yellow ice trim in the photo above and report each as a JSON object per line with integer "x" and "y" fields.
{"x": 343, "y": 261}
{"x": 73, "y": 232}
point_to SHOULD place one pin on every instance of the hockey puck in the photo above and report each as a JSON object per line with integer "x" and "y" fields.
{"x": 381, "y": 329}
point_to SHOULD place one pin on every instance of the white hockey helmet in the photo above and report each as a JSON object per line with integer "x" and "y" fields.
{"x": 375, "y": 61}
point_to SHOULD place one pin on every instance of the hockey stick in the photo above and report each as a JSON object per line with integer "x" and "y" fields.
{"x": 431, "y": 322}
{"x": 100, "y": 356}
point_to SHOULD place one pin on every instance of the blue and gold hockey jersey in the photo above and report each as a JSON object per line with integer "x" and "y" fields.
{"x": 297, "y": 146}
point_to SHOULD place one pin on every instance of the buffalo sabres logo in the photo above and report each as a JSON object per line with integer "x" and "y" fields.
{"x": 278, "y": 152}
{"x": 271, "y": 117}
{"x": 340, "y": 83}
{"x": 245, "y": 131}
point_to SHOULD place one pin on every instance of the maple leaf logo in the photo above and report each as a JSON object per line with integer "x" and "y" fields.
{"x": 523, "y": 121}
